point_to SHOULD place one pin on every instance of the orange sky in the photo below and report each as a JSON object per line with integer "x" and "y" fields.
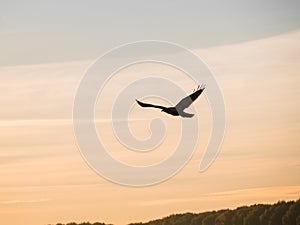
{"x": 45, "y": 180}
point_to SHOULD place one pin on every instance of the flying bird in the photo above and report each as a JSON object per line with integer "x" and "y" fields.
{"x": 178, "y": 110}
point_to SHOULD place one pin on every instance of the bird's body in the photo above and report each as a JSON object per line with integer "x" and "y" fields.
{"x": 178, "y": 110}
{"x": 171, "y": 110}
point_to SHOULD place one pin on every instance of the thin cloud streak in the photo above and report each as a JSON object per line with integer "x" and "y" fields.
{"x": 24, "y": 201}
{"x": 266, "y": 194}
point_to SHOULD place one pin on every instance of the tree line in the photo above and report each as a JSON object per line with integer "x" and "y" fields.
{"x": 280, "y": 213}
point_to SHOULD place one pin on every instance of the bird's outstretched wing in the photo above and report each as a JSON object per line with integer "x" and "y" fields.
{"x": 142, "y": 104}
{"x": 187, "y": 101}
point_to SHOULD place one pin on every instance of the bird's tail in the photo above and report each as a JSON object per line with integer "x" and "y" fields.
{"x": 187, "y": 115}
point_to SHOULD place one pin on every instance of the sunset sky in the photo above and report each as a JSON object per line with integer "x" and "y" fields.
{"x": 252, "y": 48}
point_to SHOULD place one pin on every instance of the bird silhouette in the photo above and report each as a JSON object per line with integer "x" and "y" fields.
{"x": 178, "y": 110}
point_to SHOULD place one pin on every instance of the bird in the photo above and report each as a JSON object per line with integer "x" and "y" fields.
{"x": 178, "y": 110}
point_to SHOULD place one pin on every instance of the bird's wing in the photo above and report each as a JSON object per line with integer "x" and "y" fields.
{"x": 187, "y": 101}
{"x": 149, "y": 105}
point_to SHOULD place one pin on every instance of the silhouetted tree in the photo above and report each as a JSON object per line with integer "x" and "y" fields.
{"x": 210, "y": 219}
{"x": 240, "y": 215}
{"x": 252, "y": 217}
{"x": 197, "y": 220}
{"x": 278, "y": 211}
{"x": 292, "y": 215}
{"x": 225, "y": 218}
{"x": 281, "y": 213}
{"x": 184, "y": 219}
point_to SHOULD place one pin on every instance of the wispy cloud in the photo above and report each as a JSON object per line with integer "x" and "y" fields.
{"x": 265, "y": 194}
{"x": 23, "y": 201}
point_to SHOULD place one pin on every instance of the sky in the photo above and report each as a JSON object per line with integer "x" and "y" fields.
{"x": 38, "y": 32}
{"x": 253, "y": 50}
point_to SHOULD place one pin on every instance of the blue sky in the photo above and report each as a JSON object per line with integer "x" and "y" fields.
{"x": 49, "y": 31}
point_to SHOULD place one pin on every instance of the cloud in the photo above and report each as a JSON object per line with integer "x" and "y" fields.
{"x": 23, "y": 201}
{"x": 263, "y": 195}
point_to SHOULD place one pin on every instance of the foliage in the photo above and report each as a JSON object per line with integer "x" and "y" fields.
{"x": 281, "y": 213}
